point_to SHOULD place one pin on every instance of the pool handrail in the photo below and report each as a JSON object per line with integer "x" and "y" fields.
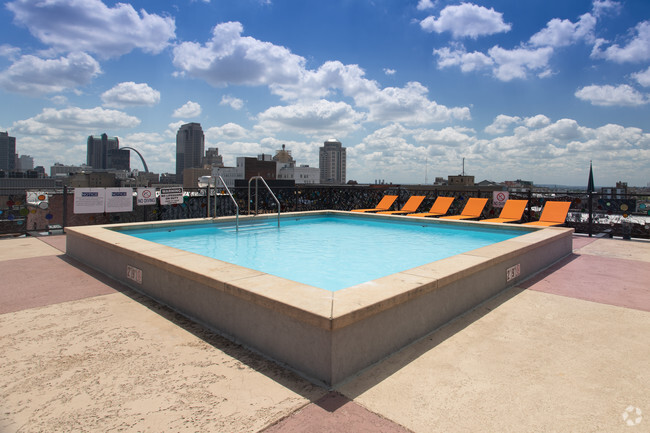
{"x": 223, "y": 182}
{"x": 256, "y": 195}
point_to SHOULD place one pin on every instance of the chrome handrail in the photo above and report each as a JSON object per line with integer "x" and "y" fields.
{"x": 233, "y": 200}
{"x": 256, "y": 195}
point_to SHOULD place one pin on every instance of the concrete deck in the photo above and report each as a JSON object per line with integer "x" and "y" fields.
{"x": 567, "y": 350}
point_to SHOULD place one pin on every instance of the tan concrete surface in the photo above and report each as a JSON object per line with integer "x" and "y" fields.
{"x": 619, "y": 249}
{"x": 116, "y": 363}
{"x": 23, "y": 248}
{"x": 524, "y": 362}
{"x": 56, "y": 241}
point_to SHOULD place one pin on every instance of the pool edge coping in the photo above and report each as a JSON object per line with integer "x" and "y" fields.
{"x": 311, "y": 305}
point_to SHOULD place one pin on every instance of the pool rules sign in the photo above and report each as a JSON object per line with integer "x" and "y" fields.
{"x": 171, "y": 196}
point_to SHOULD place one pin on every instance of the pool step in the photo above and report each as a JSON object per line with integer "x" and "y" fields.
{"x": 249, "y": 227}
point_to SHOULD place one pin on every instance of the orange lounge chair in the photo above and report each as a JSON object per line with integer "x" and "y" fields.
{"x": 512, "y": 211}
{"x": 384, "y": 204}
{"x": 439, "y": 208}
{"x": 472, "y": 210}
{"x": 553, "y": 214}
{"x": 410, "y": 206}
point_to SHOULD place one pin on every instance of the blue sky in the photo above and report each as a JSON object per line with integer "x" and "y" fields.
{"x": 520, "y": 89}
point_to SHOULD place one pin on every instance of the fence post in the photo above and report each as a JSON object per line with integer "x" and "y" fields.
{"x": 64, "y": 222}
{"x": 589, "y": 225}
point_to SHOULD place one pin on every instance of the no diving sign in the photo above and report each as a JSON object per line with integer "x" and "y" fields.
{"x": 499, "y": 198}
{"x": 146, "y": 196}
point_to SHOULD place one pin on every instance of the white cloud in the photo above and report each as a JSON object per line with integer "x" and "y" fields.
{"x": 189, "y": 109}
{"x": 157, "y": 150}
{"x": 468, "y": 62}
{"x": 561, "y": 33}
{"x": 466, "y": 20}
{"x": 74, "y": 118}
{"x": 445, "y": 137}
{"x": 506, "y": 65}
{"x": 643, "y": 77}
{"x": 234, "y": 103}
{"x": 389, "y": 71}
{"x": 409, "y": 105}
{"x": 9, "y": 51}
{"x": 89, "y": 25}
{"x": 332, "y": 75}
{"x": 425, "y": 4}
{"x": 537, "y": 121}
{"x": 602, "y": 6}
{"x": 60, "y": 135}
{"x": 517, "y": 63}
{"x": 130, "y": 94}
{"x": 636, "y": 50}
{"x": 315, "y": 118}
{"x": 229, "y": 131}
{"x": 501, "y": 124}
{"x": 230, "y": 58}
{"x": 35, "y": 76}
{"x": 59, "y": 100}
{"x": 608, "y": 96}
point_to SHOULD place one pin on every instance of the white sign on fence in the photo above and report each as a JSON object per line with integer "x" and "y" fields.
{"x": 171, "y": 196}
{"x": 89, "y": 200}
{"x": 146, "y": 196}
{"x": 499, "y": 198}
{"x": 119, "y": 199}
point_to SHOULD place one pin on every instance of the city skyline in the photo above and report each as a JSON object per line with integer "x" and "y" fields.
{"x": 530, "y": 90}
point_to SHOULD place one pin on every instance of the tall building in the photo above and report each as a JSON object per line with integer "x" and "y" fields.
{"x": 190, "y": 145}
{"x": 263, "y": 166}
{"x": 119, "y": 159}
{"x": 7, "y": 152}
{"x": 102, "y": 150}
{"x": 287, "y": 169}
{"x": 332, "y": 162}
{"x": 283, "y": 156}
{"x": 61, "y": 170}
{"x": 25, "y": 162}
{"x": 212, "y": 158}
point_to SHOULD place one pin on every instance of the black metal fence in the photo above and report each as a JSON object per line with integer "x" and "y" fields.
{"x": 592, "y": 213}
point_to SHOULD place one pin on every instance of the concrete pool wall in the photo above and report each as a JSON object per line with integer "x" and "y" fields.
{"x": 325, "y": 336}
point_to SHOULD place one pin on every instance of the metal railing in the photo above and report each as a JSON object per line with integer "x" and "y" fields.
{"x": 621, "y": 215}
{"x": 256, "y": 178}
{"x": 233, "y": 200}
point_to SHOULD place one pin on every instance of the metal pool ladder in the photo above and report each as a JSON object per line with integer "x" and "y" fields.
{"x": 256, "y": 178}
{"x": 233, "y": 200}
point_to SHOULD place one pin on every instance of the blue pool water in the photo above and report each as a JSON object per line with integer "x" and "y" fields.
{"x": 330, "y": 252}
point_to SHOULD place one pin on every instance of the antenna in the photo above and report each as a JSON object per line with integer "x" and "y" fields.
{"x": 463, "y": 167}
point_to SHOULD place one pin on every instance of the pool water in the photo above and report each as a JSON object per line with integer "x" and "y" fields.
{"x": 330, "y": 252}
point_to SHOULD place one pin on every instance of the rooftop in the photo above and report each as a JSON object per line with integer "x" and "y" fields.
{"x": 566, "y": 350}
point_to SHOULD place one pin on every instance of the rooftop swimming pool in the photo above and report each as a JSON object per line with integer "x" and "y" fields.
{"x": 325, "y": 330}
{"x": 331, "y": 252}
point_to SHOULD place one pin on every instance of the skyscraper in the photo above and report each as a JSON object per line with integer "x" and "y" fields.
{"x": 190, "y": 146}
{"x": 99, "y": 147}
{"x": 332, "y": 162}
{"x": 7, "y": 152}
